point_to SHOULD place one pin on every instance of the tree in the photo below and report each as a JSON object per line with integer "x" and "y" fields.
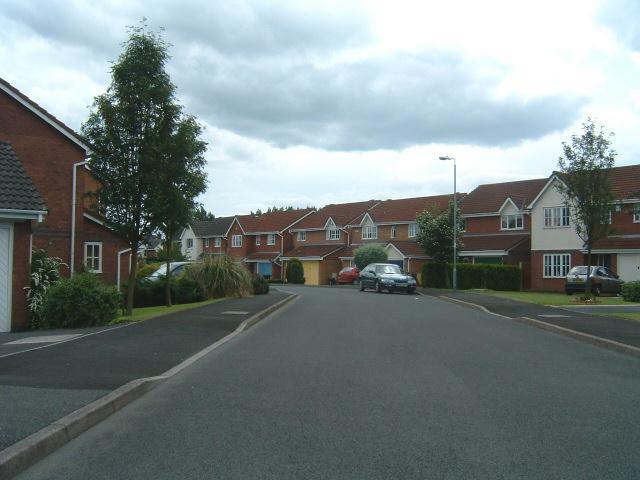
{"x": 295, "y": 271}
{"x": 435, "y": 233}
{"x": 129, "y": 132}
{"x": 367, "y": 254}
{"x": 201, "y": 214}
{"x": 585, "y": 186}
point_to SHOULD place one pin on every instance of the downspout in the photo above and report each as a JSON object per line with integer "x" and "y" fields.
{"x": 118, "y": 271}
{"x": 74, "y": 204}
{"x": 281, "y": 254}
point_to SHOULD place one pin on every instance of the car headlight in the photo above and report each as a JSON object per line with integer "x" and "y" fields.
{"x": 412, "y": 280}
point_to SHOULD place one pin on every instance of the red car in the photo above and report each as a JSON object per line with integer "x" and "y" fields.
{"x": 348, "y": 275}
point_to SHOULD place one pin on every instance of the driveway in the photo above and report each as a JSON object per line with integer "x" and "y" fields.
{"x": 348, "y": 385}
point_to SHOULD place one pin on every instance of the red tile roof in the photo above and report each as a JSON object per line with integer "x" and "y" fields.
{"x": 271, "y": 222}
{"x": 314, "y": 251}
{"x": 618, "y": 242}
{"x": 341, "y": 213}
{"x": 409, "y": 248}
{"x": 625, "y": 181}
{"x": 406, "y": 209}
{"x": 505, "y": 241}
{"x": 262, "y": 256}
{"x": 489, "y": 198}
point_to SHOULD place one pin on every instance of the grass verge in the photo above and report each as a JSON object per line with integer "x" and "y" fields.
{"x": 542, "y": 298}
{"x": 147, "y": 313}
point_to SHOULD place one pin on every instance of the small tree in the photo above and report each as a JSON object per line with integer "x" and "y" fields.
{"x": 585, "y": 187}
{"x": 435, "y": 234}
{"x": 367, "y": 254}
{"x": 295, "y": 271}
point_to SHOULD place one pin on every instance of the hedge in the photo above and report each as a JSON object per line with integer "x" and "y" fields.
{"x": 493, "y": 277}
{"x": 259, "y": 284}
{"x": 631, "y": 291}
{"x": 184, "y": 289}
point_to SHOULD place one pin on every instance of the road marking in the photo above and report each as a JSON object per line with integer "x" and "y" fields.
{"x": 43, "y": 339}
{"x": 553, "y": 315}
{"x": 235, "y": 312}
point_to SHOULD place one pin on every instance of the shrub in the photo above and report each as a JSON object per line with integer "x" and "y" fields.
{"x": 435, "y": 275}
{"x": 80, "y": 301}
{"x": 260, "y": 285}
{"x": 184, "y": 289}
{"x": 220, "y": 276}
{"x": 493, "y": 277}
{"x": 503, "y": 277}
{"x": 367, "y": 254}
{"x": 631, "y": 291}
{"x": 295, "y": 272}
{"x": 45, "y": 272}
{"x": 146, "y": 270}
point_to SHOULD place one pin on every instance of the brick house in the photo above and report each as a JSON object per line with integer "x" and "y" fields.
{"x": 392, "y": 224}
{"x": 205, "y": 237}
{"x": 555, "y": 246}
{"x": 54, "y": 157}
{"x": 320, "y": 239}
{"x": 498, "y": 224}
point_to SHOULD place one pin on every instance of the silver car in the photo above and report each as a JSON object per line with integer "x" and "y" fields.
{"x": 176, "y": 268}
{"x": 602, "y": 280}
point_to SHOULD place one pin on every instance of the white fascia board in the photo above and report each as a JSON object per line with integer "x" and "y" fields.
{"x": 94, "y": 219}
{"x": 302, "y": 258}
{"x": 307, "y": 230}
{"x": 482, "y": 253}
{"x": 74, "y": 138}
{"x": 391, "y": 245}
{"x": 612, "y": 250}
{"x": 505, "y": 203}
{"x": 262, "y": 233}
{"x": 476, "y": 215}
{"x": 13, "y": 214}
{"x": 328, "y": 222}
{"x": 235, "y": 220}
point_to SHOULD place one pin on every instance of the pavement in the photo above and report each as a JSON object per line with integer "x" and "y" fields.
{"x": 616, "y": 329}
{"x": 44, "y": 381}
{"x": 343, "y": 384}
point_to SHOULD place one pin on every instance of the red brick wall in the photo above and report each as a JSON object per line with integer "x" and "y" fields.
{"x": 491, "y": 224}
{"x": 90, "y": 231}
{"x": 263, "y": 247}
{"x": 538, "y": 282}
{"x": 319, "y": 237}
{"x": 622, "y": 222}
{"x": 238, "y": 252}
{"x": 20, "y": 278}
{"x": 211, "y": 248}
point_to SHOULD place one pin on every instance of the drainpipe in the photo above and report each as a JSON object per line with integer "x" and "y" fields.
{"x": 118, "y": 271}
{"x": 74, "y": 203}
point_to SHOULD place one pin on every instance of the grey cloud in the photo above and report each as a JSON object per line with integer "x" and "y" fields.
{"x": 621, "y": 17}
{"x": 392, "y": 102}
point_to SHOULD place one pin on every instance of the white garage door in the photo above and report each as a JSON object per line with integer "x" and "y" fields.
{"x": 629, "y": 266}
{"x": 5, "y": 278}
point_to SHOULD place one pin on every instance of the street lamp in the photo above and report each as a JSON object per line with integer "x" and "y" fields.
{"x": 455, "y": 224}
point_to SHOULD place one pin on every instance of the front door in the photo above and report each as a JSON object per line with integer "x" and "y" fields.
{"x": 5, "y": 277}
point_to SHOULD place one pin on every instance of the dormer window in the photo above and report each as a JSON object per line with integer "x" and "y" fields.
{"x": 413, "y": 230}
{"x": 333, "y": 234}
{"x": 369, "y": 232}
{"x": 512, "y": 222}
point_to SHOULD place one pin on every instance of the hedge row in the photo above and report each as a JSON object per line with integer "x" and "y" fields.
{"x": 631, "y": 291}
{"x": 493, "y": 277}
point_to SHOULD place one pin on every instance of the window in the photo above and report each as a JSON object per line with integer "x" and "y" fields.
{"x": 271, "y": 239}
{"x": 556, "y": 265}
{"x": 189, "y": 242}
{"x": 636, "y": 213}
{"x": 236, "y": 241}
{"x": 217, "y": 242}
{"x": 302, "y": 236}
{"x": 393, "y": 231}
{"x": 413, "y": 230}
{"x": 333, "y": 234}
{"x": 206, "y": 243}
{"x": 369, "y": 232}
{"x": 512, "y": 222}
{"x": 257, "y": 239}
{"x": 93, "y": 256}
{"x": 556, "y": 217}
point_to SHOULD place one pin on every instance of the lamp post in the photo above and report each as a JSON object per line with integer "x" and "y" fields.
{"x": 455, "y": 224}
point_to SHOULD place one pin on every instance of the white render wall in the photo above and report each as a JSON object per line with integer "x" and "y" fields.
{"x": 194, "y": 252}
{"x": 559, "y": 238}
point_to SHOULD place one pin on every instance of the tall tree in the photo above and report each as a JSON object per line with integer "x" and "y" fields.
{"x": 201, "y": 214}
{"x": 128, "y": 132}
{"x": 585, "y": 167}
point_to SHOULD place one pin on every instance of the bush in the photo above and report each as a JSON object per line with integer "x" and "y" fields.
{"x": 295, "y": 271}
{"x": 367, "y": 254}
{"x": 260, "y": 285}
{"x": 81, "y": 301}
{"x": 631, "y": 291}
{"x": 221, "y": 276}
{"x": 45, "y": 272}
{"x": 184, "y": 289}
{"x": 493, "y": 277}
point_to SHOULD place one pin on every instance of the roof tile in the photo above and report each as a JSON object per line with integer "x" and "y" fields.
{"x": 17, "y": 191}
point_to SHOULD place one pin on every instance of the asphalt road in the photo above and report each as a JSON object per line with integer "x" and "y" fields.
{"x": 348, "y": 385}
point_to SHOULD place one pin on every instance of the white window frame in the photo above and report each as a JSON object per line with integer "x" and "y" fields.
{"x": 556, "y": 265}
{"x": 206, "y": 243}
{"x": 393, "y": 232}
{"x": 636, "y": 213}
{"x": 412, "y": 230}
{"x": 217, "y": 242}
{"x": 506, "y": 222}
{"x": 333, "y": 234}
{"x": 189, "y": 242}
{"x": 236, "y": 241}
{"x": 369, "y": 232}
{"x": 556, "y": 217}
{"x": 302, "y": 236}
{"x": 258, "y": 240}
{"x": 93, "y": 257}
{"x": 271, "y": 239}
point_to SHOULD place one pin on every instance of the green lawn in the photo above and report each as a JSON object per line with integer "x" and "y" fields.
{"x": 542, "y": 298}
{"x": 146, "y": 313}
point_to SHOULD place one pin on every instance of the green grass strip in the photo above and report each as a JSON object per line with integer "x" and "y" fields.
{"x": 147, "y": 313}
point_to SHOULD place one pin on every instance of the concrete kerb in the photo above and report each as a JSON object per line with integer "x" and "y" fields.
{"x": 585, "y": 337}
{"x": 28, "y": 451}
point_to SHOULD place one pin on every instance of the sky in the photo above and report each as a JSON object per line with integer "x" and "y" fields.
{"x": 306, "y": 103}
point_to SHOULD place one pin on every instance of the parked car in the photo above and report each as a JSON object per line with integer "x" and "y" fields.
{"x": 386, "y": 276}
{"x": 348, "y": 275}
{"x": 602, "y": 280}
{"x": 176, "y": 268}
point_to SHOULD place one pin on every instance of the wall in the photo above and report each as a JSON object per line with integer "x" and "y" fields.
{"x": 237, "y": 252}
{"x": 562, "y": 238}
{"x": 537, "y": 270}
{"x": 20, "y": 276}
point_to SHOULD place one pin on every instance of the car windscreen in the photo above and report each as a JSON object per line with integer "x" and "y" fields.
{"x": 387, "y": 269}
{"x": 579, "y": 271}
{"x": 160, "y": 271}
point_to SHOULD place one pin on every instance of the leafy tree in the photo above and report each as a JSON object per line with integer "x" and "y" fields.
{"x": 586, "y": 189}
{"x": 201, "y": 214}
{"x": 295, "y": 271}
{"x": 367, "y": 254}
{"x": 133, "y": 130}
{"x": 435, "y": 233}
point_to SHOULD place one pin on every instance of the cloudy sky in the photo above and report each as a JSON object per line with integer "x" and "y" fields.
{"x": 309, "y": 103}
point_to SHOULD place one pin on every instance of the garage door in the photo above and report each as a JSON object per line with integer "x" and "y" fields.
{"x": 311, "y": 272}
{"x": 5, "y": 280}
{"x": 629, "y": 266}
{"x": 265, "y": 269}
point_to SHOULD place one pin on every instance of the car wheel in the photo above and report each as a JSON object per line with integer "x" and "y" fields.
{"x": 378, "y": 287}
{"x": 597, "y": 290}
